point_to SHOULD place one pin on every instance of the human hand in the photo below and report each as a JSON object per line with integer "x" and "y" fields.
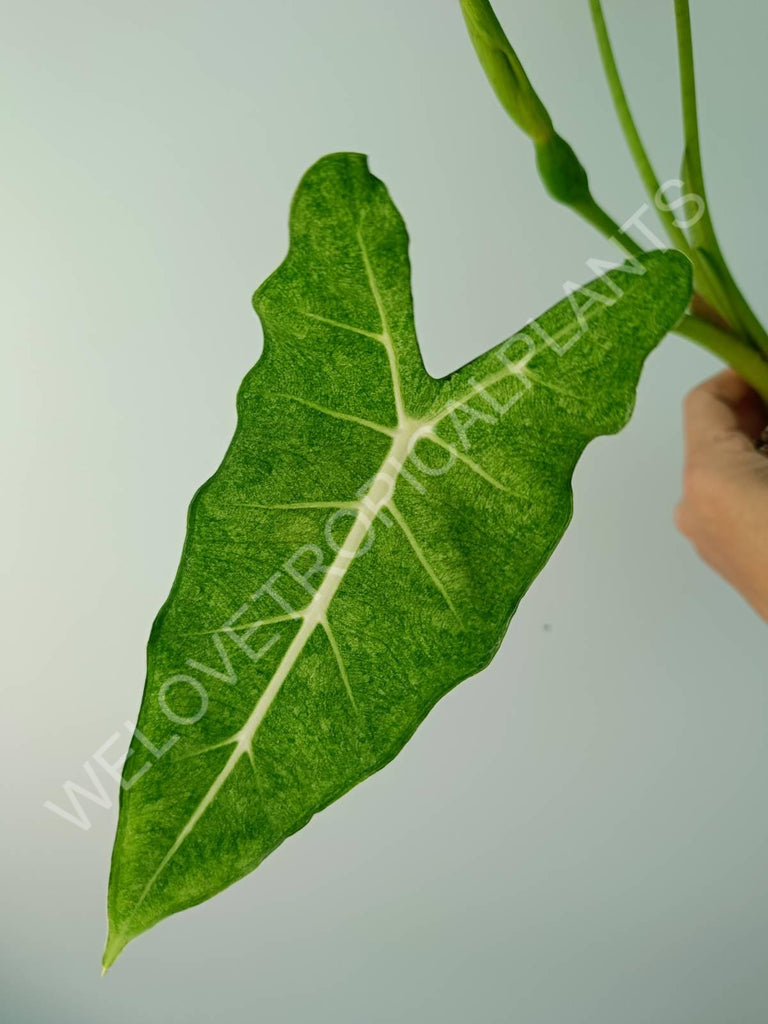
{"x": 724, "y": 508}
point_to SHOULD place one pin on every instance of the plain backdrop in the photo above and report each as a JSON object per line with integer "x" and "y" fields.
{"x": 577, "y": 835}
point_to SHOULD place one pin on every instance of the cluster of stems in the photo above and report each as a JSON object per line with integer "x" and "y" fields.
{"x": 719, "y": 318}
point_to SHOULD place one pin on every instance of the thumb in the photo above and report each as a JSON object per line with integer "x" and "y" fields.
{"x": 723, "y": 412}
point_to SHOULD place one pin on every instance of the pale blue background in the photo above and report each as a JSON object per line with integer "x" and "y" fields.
{"x": 579, "y": 835}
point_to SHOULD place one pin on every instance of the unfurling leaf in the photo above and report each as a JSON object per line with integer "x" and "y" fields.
{"x": 505, "y": 72}
{"x": 363, "y": 545}
{"x": 560, "y": 170}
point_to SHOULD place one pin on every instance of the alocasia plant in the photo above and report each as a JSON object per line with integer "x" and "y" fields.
{"x": 364, "y": 543}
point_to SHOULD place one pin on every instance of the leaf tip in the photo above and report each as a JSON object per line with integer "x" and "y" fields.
{"x": 115, "y": 944}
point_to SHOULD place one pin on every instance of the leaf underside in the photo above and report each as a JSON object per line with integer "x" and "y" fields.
{"x": 363, "y": 545}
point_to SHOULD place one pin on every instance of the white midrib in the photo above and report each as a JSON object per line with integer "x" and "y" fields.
{"x": 378, "y": 496}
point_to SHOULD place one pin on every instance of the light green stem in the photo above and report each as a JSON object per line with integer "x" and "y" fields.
{"x": 629, "y": 127}
{"x": 740, "y": 309}
{"x": 594, "y": 214}
{"x": 748, "y": 363}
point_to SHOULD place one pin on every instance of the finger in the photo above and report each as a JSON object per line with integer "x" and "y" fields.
{"x": 745, "y": 403}
{"x": 722, "y": 410}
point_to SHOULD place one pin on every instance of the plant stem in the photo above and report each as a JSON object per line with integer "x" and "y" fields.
{"x": 629, "y": 128}
{"x": 748, "y": 363}
{"x": 594, "y": 214}
{"x": 740, "y": 309}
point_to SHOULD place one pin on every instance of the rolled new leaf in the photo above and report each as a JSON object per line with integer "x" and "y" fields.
{"x": 505, "y": 72}
{"x": 560, "y": 170}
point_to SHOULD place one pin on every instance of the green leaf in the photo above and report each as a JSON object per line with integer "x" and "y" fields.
{"x": 363, "y": 545}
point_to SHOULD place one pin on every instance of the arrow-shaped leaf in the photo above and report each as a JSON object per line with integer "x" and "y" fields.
{"x": 363, "y": 545}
